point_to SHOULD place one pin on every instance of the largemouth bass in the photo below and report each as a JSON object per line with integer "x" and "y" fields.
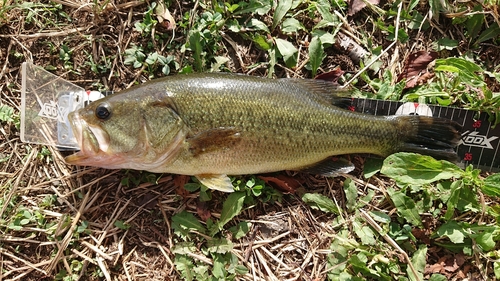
{"x": 214, "y": 125}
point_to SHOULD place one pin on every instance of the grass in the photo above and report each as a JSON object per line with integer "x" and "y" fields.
{"x": 385, "y": 221}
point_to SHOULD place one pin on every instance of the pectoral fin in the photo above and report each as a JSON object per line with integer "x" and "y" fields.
{"x": 216, "y": 182}
{"x": 213, "y": 140}
{"x": 330, "y": 167}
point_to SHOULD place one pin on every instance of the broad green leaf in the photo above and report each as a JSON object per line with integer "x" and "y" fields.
{"x": 435, "y": 9}
{"x": 486, "y": 240}
{"x": 195, "y": 45}
{"x": 380, "y": 216}
{"x": 316, "y": 54}
{"x": 446, "y": 44}
{"x": 491, "y": 32}
{"x": 258, "y": 25}
{"x": 288, "y": 51}
{"x": 184, "y": 222}
{"x": 496, "y": 269}
{"x": 320, "y": 202}
{"x": 438, "y": 277}
{"x": 280, "y": 12}
{"x": 452, "y": 201}
{"x": 260, "y": 7}
{"x": 405, "y": 206}
{"x": 231, "y": 208}
{"x": 364, "y": 233}
{"x": 291, "y": 25}
{"x": 475, "y": 22}
{"x": 465, "y": 69}
{"x": 184, "y": 265}
{"x": 372, "y": 166}
{"x": 183, "y": 248}
{"x": 241, "y": 229}
{"x": 324, "y": 37}
{"x": 221, "y": 245}
{"x": 453, "y": 231}
{"x": 419, "y": 260}
{"x": 219, "y": 267}
{"x": 491, "y": 185}
{"x": 351, "y": 194}
{"x": 415, "y": 169}
{"x": 324, "y": 9}
{"x": 262, "y": 42}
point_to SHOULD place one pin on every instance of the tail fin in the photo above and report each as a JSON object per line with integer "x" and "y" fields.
{"x": 436, "y": 137}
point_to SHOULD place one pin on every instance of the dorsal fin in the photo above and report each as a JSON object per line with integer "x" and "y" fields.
{"x": 326, "y": 91}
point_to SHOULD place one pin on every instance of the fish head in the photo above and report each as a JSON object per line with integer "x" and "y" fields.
{"x": 127, "y": 131}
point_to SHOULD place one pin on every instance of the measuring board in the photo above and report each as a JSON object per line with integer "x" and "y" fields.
{"x": 480, "y": 143}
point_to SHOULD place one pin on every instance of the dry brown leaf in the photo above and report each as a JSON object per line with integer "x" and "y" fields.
{"x": 282, "y": 182}
{"x": 415, "y": 69}
{"x": 179, "y": 182}
{"x": 165, "y": 19}
{"x": 357, "y": 5}
{"x": 332, "y": 76}
{"x": 202, "y": 210}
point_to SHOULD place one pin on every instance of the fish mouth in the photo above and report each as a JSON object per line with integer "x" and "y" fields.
{"x": 92, "y": 140}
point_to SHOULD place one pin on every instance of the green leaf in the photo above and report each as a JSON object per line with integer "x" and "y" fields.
{"x": 195, "y": 45}
{"x": 496, "y": 269}
{"x": 288, "y": 51}
{"x": 324, "y": 8}
{"x": 183, "y": 222}
{"x": 260, "y": 7}
{"x": 316, "y": 54}
{"x": 219, "y": 267}
{"x": 486, "y": 240}
{"x": 221, "y": 245}
{"x": 280, "y": 12}
{"x": 452, "y": 202}
{"x": 446, "y": 44}
{"x": 351, "y": 194}
{"x": 258, "y": 25}
{"x": 364, "y": 233}
{"x": 291, "y": 25}
{"x": 320, "y": 202}
{"x": 415, "y": 169}
{"x": 491, "y": 32}
{"x": 372, "y": 166}
{"x": 262, "y": 42}
{"x": 231, "y": 208}
{"x": 419, "y": 260}
{"x": 438, "y": 277}
{"x": 184, "y": 265}
{"x": 405, "y": 206}
{"x": 465, "y": 69}
{"x": 453, "y": 231}
{"x": 475, "y": 22}
{"x": 491, "y": 185}
{"x": 241, "y": 230}
{"x": 380, "y": 216}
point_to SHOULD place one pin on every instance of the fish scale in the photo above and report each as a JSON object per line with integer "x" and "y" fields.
{"x": 214, "y": 125}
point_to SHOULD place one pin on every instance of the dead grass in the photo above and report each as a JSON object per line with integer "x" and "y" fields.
{"x": 288, "y": 240}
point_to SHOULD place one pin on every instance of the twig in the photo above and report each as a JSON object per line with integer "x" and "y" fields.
{"x": 381, "y": 54}
{"x": 389, "y": 240}
{"x": 69, "y": 234}
{"x": 45, "y": 34}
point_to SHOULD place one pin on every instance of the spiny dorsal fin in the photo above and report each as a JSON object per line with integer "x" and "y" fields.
{"x": 326, "y": 91}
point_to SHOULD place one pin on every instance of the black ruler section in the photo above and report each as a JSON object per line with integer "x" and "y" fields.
{"x": 480, "y": 143}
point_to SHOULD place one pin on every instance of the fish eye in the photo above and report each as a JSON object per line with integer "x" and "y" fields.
{"x": 103, "y": 111}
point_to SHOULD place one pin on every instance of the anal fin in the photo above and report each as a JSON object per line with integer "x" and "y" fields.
{"x": 216, "y": 182}
{"x": 330, "y": 167}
